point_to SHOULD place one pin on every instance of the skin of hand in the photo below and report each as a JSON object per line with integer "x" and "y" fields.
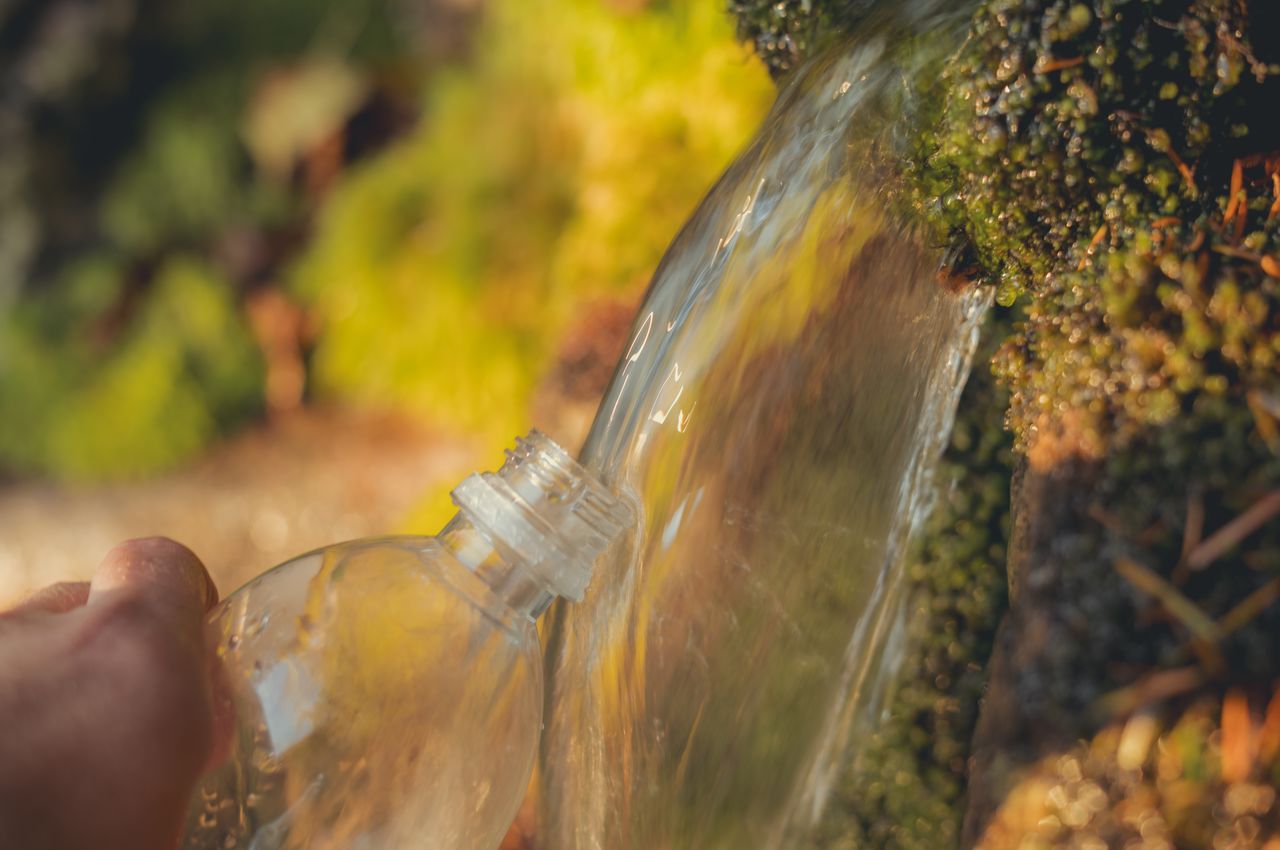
{"x": 110, "y": 704}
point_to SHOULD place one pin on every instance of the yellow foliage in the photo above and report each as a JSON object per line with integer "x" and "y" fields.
{"x": 555, "y": 168}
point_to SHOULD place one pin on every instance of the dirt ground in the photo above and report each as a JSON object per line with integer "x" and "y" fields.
{"x": 311, "y": 479}
{"x": 307, "y": 479}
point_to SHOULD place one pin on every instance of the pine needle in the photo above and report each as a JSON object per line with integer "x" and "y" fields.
{"x": 1231, "y": 534}
{"x": 1252, "y": 605}
{"x": 1151, "y": 689}
{"x": 1200, "y": 624}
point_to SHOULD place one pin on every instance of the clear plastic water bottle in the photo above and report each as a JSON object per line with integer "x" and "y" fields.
{"x": 388, "y": 692}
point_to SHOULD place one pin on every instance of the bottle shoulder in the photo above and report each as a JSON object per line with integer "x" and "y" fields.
{"x": 376, "y": 568}
{"x": 443, "y": 565}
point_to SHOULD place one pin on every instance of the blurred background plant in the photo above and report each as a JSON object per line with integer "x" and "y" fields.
{"x": 302, "y": 220}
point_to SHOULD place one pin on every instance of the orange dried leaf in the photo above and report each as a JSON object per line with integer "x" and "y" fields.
{"x": 1237, "y": 738}
{"x": 1269, "y": 739}
{"x": 1188, "y": 173}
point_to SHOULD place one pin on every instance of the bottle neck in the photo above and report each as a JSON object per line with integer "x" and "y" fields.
{"x": 500, "y": 569}
{"x": 531, "y": 530}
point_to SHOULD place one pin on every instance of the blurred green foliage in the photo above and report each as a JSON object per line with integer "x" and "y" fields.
{"x": 553, "y": 170}
{"x": 161, "y": 174}
{"x": 124, "y": 348}
{"x": 75, "y": 405}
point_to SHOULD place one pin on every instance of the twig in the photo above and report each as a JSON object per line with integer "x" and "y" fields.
{"x": 1265, "y": 420}
{"x": 1047, "y": 66}
{"x": 1098, "y": 236}
{"x": 1237, "y": 253}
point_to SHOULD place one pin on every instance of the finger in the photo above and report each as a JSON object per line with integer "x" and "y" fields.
{"x": 174, "y": 582}
{"x": 166, "y": 575}
{"x": 55, "y": 599}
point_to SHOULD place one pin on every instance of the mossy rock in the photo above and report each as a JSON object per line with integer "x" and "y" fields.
{"x": 1111, "y": 166}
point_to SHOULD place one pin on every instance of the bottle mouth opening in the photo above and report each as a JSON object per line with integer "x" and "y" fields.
{"x": 548, "y": 459}
{"x": 548, "y": 511}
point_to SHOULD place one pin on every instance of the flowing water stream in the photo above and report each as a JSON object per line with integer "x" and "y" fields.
{"x": 790, "y": 379}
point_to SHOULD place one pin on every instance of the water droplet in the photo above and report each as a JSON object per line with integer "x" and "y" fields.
{"x": 268, "y": 763}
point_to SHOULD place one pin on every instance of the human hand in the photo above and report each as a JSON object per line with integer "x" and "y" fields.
{"x": 107, "y": 713}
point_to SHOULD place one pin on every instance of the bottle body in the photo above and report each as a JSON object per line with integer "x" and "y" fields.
{"x": 384, "y": 697}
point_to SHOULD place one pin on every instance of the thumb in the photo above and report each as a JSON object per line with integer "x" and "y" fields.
{"x": 166, "y": 576}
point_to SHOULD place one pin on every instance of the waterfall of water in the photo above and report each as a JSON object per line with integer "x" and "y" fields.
{"x": 790, "y": 378}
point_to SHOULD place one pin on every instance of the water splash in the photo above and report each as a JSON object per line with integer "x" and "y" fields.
{"x": 790, "y": 379}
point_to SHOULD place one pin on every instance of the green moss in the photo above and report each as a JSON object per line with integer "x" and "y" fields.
{"x": 1154, "y": 368}
{"x": 1135, "y": 379}
{"x": 1068, "y": 124}
{"x": 1115, "y": 160}
{"x": 1182, "y": 316}
{"x": 1083, "y": 151}
{"x": 785, "y": 33}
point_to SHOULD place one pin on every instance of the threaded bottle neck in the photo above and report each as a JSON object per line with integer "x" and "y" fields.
{"x": 533, "y": 529}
